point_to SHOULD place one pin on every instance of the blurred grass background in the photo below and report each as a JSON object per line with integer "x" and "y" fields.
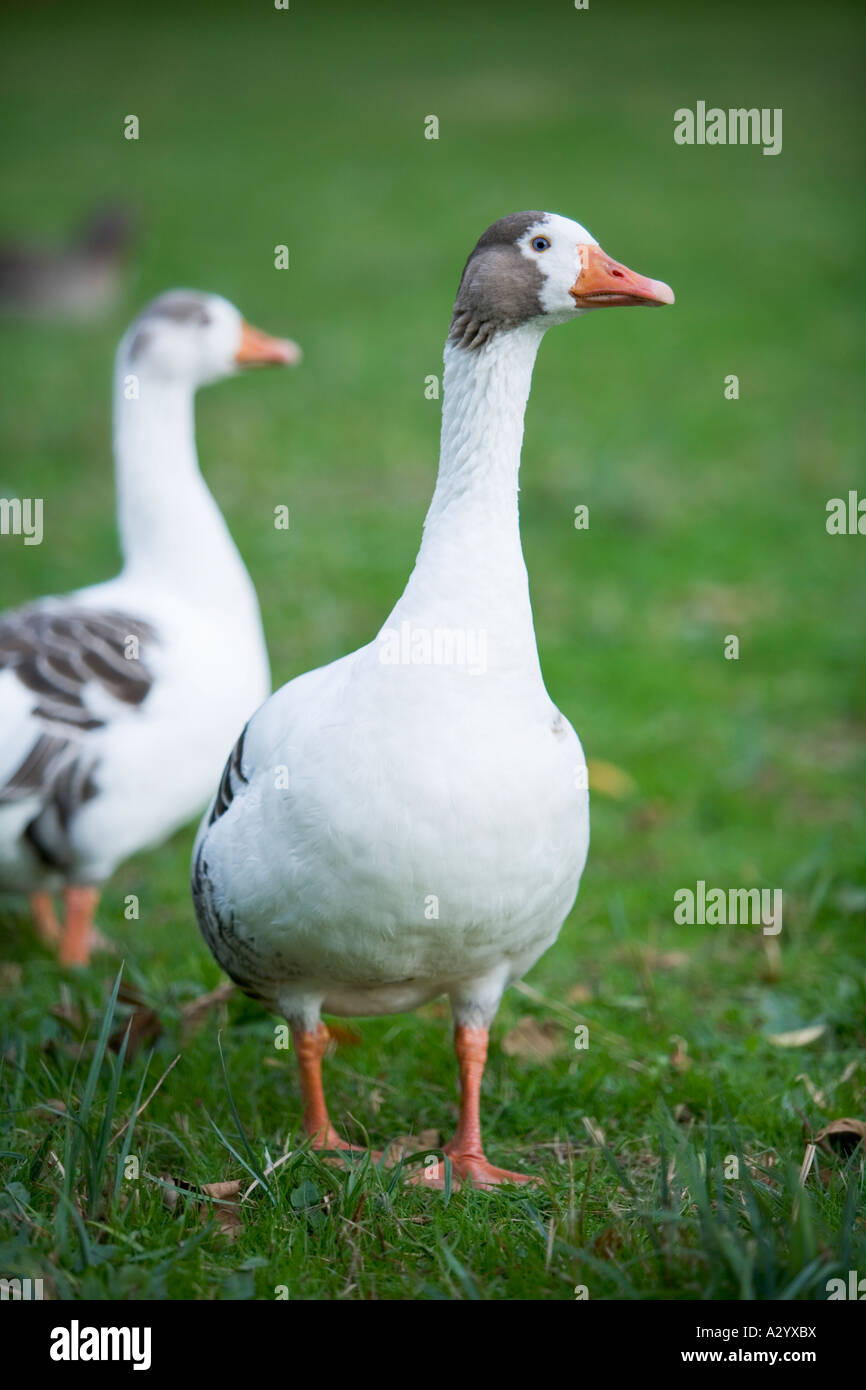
{"x": 306, "y": 127}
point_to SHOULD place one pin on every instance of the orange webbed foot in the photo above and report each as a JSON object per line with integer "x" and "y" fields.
{"x": 472, "y": 1167}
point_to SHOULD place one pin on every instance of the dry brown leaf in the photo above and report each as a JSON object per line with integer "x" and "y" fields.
{"x": 579, "y": 994}
{"x": 672, "y": 960}
{"x": 757, "y": 1166}
{"x": 607, "y": 1243}
{"x": 664, "y": 960}
{"x": 67, "y": 1012}
{"x": 680, "y": 1059}
{"x": 610, "y": 780}
{"x": 195, "y": 1012}
{"x": 842, "y": 1136}
{"x": 534, "y": 1040}
{"x": 798, "y": 1037}
{"x": 649, "y": 815}
{"x": 223, "y": 1208}
{"x": 144, "y": 1027}
{"x": 220, "y": 1191}
{"x": 144, "y": 1023}
{"x": 225, "y": 1213}
{"x": 344, "y": 1035}
{"x": 169, "y": 1191}
{"x": 10, "y": 976}
{"x": 406, "y": 1144}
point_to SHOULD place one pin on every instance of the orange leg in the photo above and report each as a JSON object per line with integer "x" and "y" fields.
{"x": 80, "y": 904}
{"x": 45, "y": 918}
{"x": 465, "y": 1149}
{"x": 310, "y": 1049}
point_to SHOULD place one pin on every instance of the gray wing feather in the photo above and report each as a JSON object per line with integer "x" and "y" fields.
{"x": 56, "y": 651}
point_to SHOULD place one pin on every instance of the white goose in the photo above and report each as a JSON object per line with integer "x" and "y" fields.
{"x": 117, "y": 702}
{"x": 411, "y": 820}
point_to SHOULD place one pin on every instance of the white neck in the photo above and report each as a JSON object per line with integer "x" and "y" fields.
{"x": 470, "y": 570}
{"x": 172, "y": 533}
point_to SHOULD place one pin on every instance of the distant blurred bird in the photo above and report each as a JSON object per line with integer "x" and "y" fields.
{"x": 78, "y": 280}
{"x": 117, "y": 702}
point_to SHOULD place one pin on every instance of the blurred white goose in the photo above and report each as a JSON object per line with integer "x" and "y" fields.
{"x": 117, "y": 702}
{"x": 411, "y": 820}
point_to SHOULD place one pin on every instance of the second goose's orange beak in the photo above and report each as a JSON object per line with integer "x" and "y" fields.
{"x": 603, "y": 283}
{"x": 258, "y": 349}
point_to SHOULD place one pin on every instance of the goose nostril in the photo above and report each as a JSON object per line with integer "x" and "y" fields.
{"x": 617, "y": 274}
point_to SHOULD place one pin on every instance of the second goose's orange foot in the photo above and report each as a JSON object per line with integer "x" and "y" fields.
{"x": 323, "y": 1143}
{"x": 472, "y": 1167}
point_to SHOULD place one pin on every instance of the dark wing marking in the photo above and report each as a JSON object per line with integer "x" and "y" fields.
{"x": 233, "y": 777}
{"x": 48, "y": 832}
{"x": 254, "y": 972}
{"x": 56, "y": 771}
{"x": 37, "y": 770}
{"x": 238, "y": 959}
{"x": 57, "y": 652}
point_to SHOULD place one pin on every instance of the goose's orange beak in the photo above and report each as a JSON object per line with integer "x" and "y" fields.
{"x": 605, "y": 284}
{"x": 258, "y": 349}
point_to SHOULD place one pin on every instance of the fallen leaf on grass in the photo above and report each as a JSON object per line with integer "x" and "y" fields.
{"x": 10, "y": 977}
{"x": 798, "y": 1037}
{"x": 842, "y": 1136}
{"x": 651, "y": 814}
{"x": 607, "y": 1243}
{"x": 610, "y": 780}
{"x": 344, "y": 1035}
{"x": 226, "y": 1213}
{"x": 758, "y": 1165}
{"x": 221, "y": 1208}
{"x": 406, "y": 1144}
{"x": 144, "y": 1023}
{"x": 680, "y": 1059}
{"x": 195, "y": 1012}
{"x": 664, "y": 960}
{"x": 534, "y": 1040}
{"x": 144, "y": 1027}
{"x": 67, "y": 1012}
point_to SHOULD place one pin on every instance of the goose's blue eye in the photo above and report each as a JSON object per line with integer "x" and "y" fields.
{"x": 540, "y": 243}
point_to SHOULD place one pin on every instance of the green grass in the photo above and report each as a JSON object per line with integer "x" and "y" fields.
{"x": 707, "y": 518}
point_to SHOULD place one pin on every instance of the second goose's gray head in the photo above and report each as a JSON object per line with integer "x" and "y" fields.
{"x": 538, "y": 265}
{"x": 194, "y": 338}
